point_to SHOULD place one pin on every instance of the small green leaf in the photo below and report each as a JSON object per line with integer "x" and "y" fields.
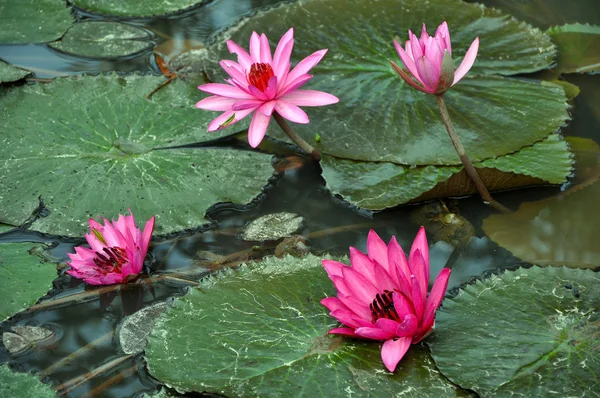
{"x": 135, "y": 8}
{"x": 578, "y": 48}
{"x": 24, "y": 278}
{"x": 33, "y": 21}
{"x": 104, "y": 40}
{"x": 531, "y": 333}
{"x": 22, "y": 385}
{"x": 9, "y": 73}
{"x": 260, "y": 331}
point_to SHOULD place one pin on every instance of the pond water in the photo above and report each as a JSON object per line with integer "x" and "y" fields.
{"x": 84, "y": 359}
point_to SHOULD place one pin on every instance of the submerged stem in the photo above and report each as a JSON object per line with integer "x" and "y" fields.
{"x": 305, "y": 146}
{"x": 464, "y": 158}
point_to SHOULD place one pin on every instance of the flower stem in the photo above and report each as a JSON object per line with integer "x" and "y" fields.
{"x": 464, "y": 158}
{"x": 305, "y": 146}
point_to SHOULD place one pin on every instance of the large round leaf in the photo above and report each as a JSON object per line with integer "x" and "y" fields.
{"x": 380, "y": 185}
{"x": 260, "y": 331}
{"x": 89, "y": 146}
{"x": 22, "y": 385}
{"x": 104, "y": 40}
{"x": 578, "y": 47}
{"x": 33, "y": 21}
{"x": 530, "y": 333}
{"x": 379, "y": 117}
{"x": 24, "y": 278}
{"x": 132, "y": 8}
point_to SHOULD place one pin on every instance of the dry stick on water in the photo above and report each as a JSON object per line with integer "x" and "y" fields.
{"x": 72, "y": 384}
{"x": 119, "y": 377}
{"x": 464, "y": 158}
{"x": 305, "y": 146}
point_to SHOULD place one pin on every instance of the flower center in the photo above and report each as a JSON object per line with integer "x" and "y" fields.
{"x": 259, "y": 75}
{"x": 111, "y": 260}
{"x": 383, "y": 307}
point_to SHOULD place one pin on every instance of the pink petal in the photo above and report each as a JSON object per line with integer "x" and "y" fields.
{"x": 427, "y": 73}
{"x": 241, "y": 105}
{"x": 267, "y": 108}
{"x": 417, "y": 298}
{"x": 147, "y": 235}
{"x": 398, "y": 265}
{"x": 333, "y": 304}
{"x": 402, "y": 305}
{"x": 291, "y": 112}
{"x": 467, "y": 61}
{"x": 406, "y": 59}
{"x": 309, "y": 98}
{"x": 271, "y": 87}
{"x": 292, "y": 85}
{"x": 435, "y": 297}
{"x": 305, "y": 65}
{"x": 363, "y": 264}
{"x": 340, "y": 285}
{"x": 384, "y": 329}
{"x": 420, "y": 243}
{"x": 349, "y": 318}
{"x": 360, "y": 309}
{"x": 420, "y": 272}
{"x": 415, "y": 47}
{"x": 233, "y": 70}
{"x": 377, "y": 249}
{"x": 333, "y": 267}
{"x": 408, "y": 327}
{"x": 256, "y": 93}
{"x": 393, "y": 351}
{"x": 435, "y": 55}
{"x": 216, "y": 103}
{"x": 361, "y": 288}
{"x": 258, "y": 128}
{"x": 281, "y": 58}
{"x": 343, "y": 331}
{"x": 443, "y": 32}
{"x": 244, "y": 58}
{"x": 404, "y": 76}
{"x": 224, "y": 90}
{"x": 255, "y": 48}
{"x": 265, "y": 50}
{"x": 216, "y": 123}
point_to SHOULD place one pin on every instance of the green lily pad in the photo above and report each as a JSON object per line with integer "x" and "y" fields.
{"x": 22, "y": 385}
{"x": 531, "y": 333}
{"x": 104, "y": 40}
{"x": 578, "y": 48}
{"x": 135, "y": 8}
{"x": 548, "y": 231}
{"x": 33, "y": 21}
{"x": 379, "y": 117}
{"x": 9, "y": 73}
{"x": 260, "y": 331}
{"x": 377, "y": 186}
{"x": 24, "y": 278}
{"x": 100, "y": 155}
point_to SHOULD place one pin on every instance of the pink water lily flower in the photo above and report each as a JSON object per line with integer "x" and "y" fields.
{"x": 383, "y": 296}
{"x": 429, "y": 61}
{"x": 118, "y": 250}
{"x": 263, "y": 83}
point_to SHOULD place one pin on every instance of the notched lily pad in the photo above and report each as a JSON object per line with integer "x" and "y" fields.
{"x": 381, "y": 185}
{"x": 531, "y": 333}
{"x": 130, "y": 8}
{"x": 25, "y": 337}
{"x": 134, "y": 329}
{"x": 33, "y": 21}
{"x": 102, "y": 153}
{"x": 271, "y": 327}
{"x": 14, "y": 384}
{"x": 9, "y": 73}
{"x": 578, "y": 47}
{"x": 104, "y": 40}
{"x": 24, "y": 278}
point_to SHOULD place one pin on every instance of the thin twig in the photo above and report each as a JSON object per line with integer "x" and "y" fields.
{"x": 75, "y": 382}
{"x": 305, "y": 146}
{"x": 464, "y": 158}
{"x": 119, "y": 377}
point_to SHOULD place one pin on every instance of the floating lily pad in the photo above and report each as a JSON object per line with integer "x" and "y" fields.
{"x": 104, "y": 40}
{"x": 134, "y": 329}
{"x": 22, "y": 385}
{"x": 379, "y": 117}
{"x": 99, "y": 155}
{"x": 549, "y": 231}
{"x": 25, "y": 337}
{"x": 376, "y": 186}
{"x": 531, "y": 333}
{"x": 24, "y": 278}
{"x": 578, "y": 47}
{"x": 33, "y": 21}
{"x": 260, "y": 331}
{"x": 9, "y": 73}
{"x": 273, "y": 227}
{"x": 130, "y": 8}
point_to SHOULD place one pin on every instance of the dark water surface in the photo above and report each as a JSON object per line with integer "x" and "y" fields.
{"x": 87, "y": 327}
